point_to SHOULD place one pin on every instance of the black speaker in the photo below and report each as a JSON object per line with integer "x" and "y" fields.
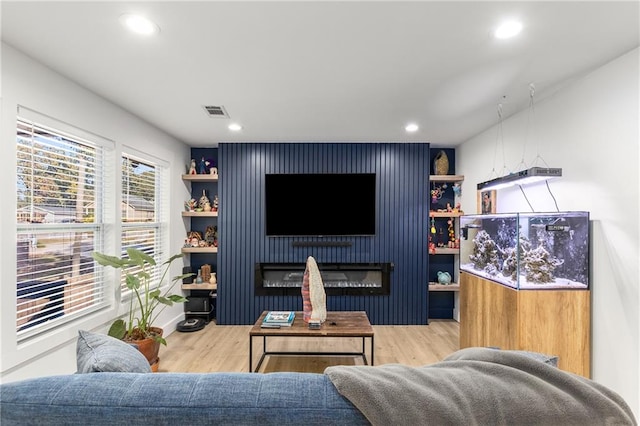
{"x": 187, "y": 270}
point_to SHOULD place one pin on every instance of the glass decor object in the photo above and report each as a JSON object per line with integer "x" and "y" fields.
{"x": 527, "y": 250}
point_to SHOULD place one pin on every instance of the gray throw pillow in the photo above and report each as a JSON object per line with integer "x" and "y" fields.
{"x": 101, "y": 353}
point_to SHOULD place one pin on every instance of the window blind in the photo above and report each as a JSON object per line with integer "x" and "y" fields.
{"x": 59, "y": 218}
{"x": 141, "y": 211}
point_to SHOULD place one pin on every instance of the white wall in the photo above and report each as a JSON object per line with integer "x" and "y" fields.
{"x": 27, "y": 83}
{"x": 590, "y": 129}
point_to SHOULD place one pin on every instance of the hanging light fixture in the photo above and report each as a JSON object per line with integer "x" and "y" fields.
{"x": 525, "y": 176}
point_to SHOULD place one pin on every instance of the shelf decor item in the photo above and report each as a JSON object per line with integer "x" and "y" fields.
{"x": 441, "y": 163}
{"x": 147, "y": 301}
{"x": 203, "y": 200}
{"x": 190, "y": 205}
{"x": 206, "y": 272}
{"x": 444, "y": 278}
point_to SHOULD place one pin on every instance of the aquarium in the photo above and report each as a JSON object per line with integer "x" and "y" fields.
{"x": 527, "y": 250}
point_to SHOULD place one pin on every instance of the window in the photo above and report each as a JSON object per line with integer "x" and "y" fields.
{"x": 60, "y": 178}
{"x": 141, "y": 210}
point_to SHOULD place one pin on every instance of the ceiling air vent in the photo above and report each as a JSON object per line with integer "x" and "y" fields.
{"x": 216, "y": 111}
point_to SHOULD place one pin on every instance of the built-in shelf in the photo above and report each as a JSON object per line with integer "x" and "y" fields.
{"x": 199, "y": 249}
{"x": 445, "y": 214}
{"x": 201, "y": 178}
{"x": 203, "y": 286}
{"x": 446, "y": 178}
{"x": 446, "y": 250}
{"x": 443, "y": 287}
{"x": 199, "y": 214}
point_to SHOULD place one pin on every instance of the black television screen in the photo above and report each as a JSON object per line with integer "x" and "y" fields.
{"x": 320, "y": 204}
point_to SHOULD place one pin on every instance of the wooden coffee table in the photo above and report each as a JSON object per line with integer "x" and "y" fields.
{"x": 338, "y": 324}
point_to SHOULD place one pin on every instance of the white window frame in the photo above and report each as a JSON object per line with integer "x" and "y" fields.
{"x": 92, "y": 290}
{"x": 158, "y": 225}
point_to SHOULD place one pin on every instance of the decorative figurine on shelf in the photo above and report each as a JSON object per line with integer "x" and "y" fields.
{"x": 210, "y": 235}
{"x": 206, "y": 272}
{"x": 457, "y": 189}
{"x": 203, "y": 200}
{"x": 216, "y": 203}
{"x": 192, "y": 168}
{"x": 202, "y": 168}
{"x": 194, "y": 238}
{"x": 190, "y": 205}
{"x": 433, "y": 226}
{"x": 452, "y": 234}
{"x": 432, "y": 246}
{"x": 441, "y": 239}
{"x": 213, "y": 171}
{"x": 207, "y": 207}
{"x": 437, "y": 192}
{"x": 444, "y": 278}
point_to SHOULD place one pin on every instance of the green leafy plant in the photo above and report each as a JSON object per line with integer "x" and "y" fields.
{"x": 146, "y": 296}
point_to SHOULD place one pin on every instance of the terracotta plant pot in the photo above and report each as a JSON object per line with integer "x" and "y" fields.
{"x": 150, "y": 348}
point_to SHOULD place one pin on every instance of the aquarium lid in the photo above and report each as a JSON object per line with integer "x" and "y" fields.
{"x": 523, "y": 177}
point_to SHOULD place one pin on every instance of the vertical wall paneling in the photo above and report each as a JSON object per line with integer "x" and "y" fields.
{"x": 401, "y": 232}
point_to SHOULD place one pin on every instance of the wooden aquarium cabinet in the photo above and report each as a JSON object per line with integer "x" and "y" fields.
{"x": 553, "y": 322}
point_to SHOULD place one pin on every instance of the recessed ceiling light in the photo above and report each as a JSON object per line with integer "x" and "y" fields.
{"x": 139, "y": 24}
{"x": 411, "y": 127}
{"x": 235, "y": 127}
{"x": 508, "y": 29}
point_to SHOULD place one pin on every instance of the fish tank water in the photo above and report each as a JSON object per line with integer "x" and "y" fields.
{"x": 527, "y": 250}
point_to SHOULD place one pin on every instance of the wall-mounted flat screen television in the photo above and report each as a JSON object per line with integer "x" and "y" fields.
{"x": 320, "y": 204}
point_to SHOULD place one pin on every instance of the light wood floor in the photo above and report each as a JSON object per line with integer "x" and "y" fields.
{"x": 226, "y": 348}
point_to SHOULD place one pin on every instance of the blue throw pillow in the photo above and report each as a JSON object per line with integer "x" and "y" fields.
{"x": 101, "y": 353}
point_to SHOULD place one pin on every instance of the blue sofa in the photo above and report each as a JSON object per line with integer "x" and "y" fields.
{"x": 114, "y": 386}
{"x": 176, "y": 399}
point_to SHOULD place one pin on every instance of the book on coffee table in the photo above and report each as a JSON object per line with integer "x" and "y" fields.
{"x": 279, "y": 318}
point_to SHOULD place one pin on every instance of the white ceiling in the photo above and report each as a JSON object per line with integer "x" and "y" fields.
{"x": 322, "y": 71}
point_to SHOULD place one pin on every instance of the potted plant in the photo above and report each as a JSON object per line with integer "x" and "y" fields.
{"x": 146, "y": 303}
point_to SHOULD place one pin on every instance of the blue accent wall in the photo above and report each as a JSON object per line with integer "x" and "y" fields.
{"x": 402, "y": 172}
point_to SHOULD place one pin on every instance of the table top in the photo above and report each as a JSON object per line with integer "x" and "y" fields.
{"x": 338, "y": 324}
